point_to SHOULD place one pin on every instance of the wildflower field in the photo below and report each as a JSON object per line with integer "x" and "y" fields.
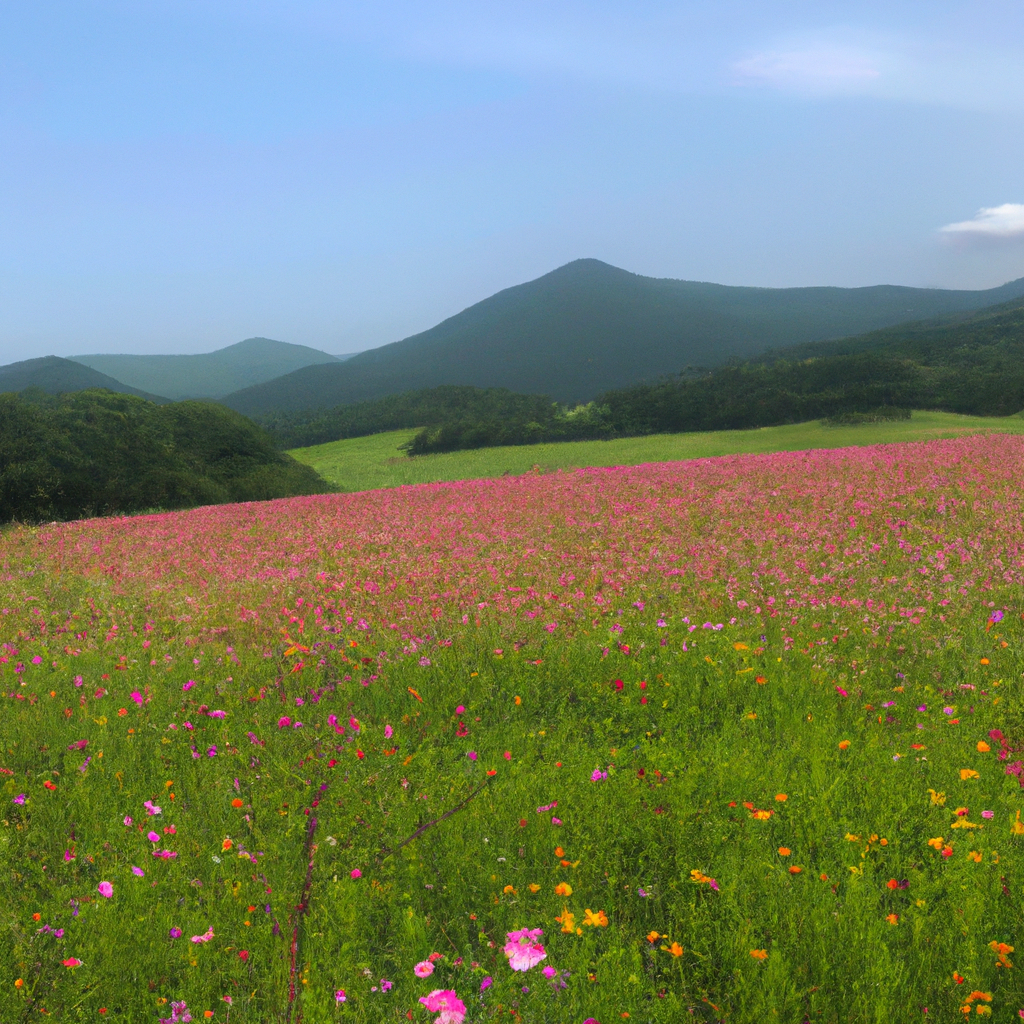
{"x": 735, "y": 739}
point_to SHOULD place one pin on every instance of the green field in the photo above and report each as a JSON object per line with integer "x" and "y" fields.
{"x": 368, "y": 463}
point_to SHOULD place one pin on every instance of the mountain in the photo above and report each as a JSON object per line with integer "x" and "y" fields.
{"x": 588, "y": 327}
{"x": 56, "y": 376}
{"x": 209, "y": 374}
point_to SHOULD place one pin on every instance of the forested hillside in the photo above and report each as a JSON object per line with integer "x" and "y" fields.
{"x": 98, "y": 453}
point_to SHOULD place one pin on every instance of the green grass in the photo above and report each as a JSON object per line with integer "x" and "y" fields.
{"x": 368, "y": 463}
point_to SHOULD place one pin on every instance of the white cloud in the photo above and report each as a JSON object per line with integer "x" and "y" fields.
{"x": 991, "y": 223}
{"x": 813, "y": 68}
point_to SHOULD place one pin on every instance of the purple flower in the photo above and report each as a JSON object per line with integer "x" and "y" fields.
{"x": 947, "y": 711}
{"x": 212, "y": 752}
{"x": 486, "y": 983}
{"x": 138, "y": 872}
{"x": 339, "y": 996}
{"x": 597, "y": 775}
{"x": 175, "y": 933}
{"x": 19, "y": 799}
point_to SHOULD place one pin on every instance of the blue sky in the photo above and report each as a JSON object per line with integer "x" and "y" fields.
{"x": 177, "y": 176}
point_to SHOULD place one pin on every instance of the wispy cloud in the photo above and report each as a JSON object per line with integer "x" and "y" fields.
{"x": 989, "y": 224}
{"x": 815, "y": 68}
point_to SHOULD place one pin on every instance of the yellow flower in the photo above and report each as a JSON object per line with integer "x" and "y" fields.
{"x": 851, "y": 838}
{"x": 938, "y": 799}
{"x": 567, "y": 920}
{"x": 936, "y": 843}
{"x": 968, "y": 773}
{"x": 1017, "y": 826}
{"x": 599, "y": 919}
{"x": 563, "y": 889}
{"x": 762, "y": 815}
{"x": 759, "y": 954}
{"x": 534, "y": 887}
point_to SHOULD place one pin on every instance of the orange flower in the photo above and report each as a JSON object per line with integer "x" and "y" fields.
{"x": 675, "y": 949}
{"x": 762, "y": 815}
{"x": 794, "y": 870}
{"x": 843, "y": 744}
{"x": 509, "y": 890}
{"x": 784, "y": 851}
{"x": 534, "y": 887}
{"x": 1001, "y": 949}
{"x": 968, "y": 773}
{"x": 892, "y": 884}
{"x": 983, "y": 747}
{"x": 975, "y": 856}
{"x": 984, "y": 661}
{"x": 823, "y": 876}
{"x": 236, "y": 802}
{"x": 893, "y": 918}
{"x": 226, "y": 845}
{"x": 653, "y": 936}
{"x": 598, "y": 920}
{"x": 567, "y": 920}
{"x": 759, "y": 954}
{"x": 563, "y": 889}
{"x": 936, "y": 843}
{"x": 760, "y": 680}
{"x": 559, "y": 852}
{"x": 19, "y": 982}
{"x": 781, "y": 797}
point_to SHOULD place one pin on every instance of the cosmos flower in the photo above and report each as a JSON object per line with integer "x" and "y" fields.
{"x": 523, "y": 948}
{"x": 424, "y": 969}
{"x": 446, "y": 1003}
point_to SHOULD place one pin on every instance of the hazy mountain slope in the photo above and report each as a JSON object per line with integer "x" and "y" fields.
{"x": 58, "y": 376}
{"x": 209, "y": 374}
{"x": 588, "y": 327}
{"x": 963, "y": 339}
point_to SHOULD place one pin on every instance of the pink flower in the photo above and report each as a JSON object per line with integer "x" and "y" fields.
{"x": 549, "y": 972}
{"x": 356, "y": 873}
{"x": 424, "y": 969}
{"x": 339, "y": 996}
{"x": 205, "y": 937}
{"x": 105, "y": 889}
{"x": 472, "y": 755}
{"x": 138, "y": 872}
{"x": 523, "y": 950}
{"x": 388, "y": 732}
{"x": 446, "y": 1003}
{"x": 151, "y": 809}
{"x": 153, "y": 837}
{"x": 136, "y": 696}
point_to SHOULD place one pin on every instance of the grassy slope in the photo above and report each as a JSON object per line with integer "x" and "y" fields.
{"x": 367, "y": 463}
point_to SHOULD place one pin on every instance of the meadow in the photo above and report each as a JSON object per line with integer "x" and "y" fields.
{"x": 735, "y": 739}
{"x": 367, "y": 463}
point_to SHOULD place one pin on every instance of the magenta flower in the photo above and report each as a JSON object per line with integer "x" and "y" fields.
{"x": 151, "y": 809}
{"x": 283, "y": 721}
{"x": 205, "y": 937}
{"x": 153, "y": 837}
{"x": 486, "y": 983}
{"x": 136, "y": 696}
{"x": 19, "y": 799}
{"x": 446, "y": 1003}
{"x": 424, "y": 969}
{"x": 138, "y": 872}
{"x": 356, "y": 873}
{"x": 339, "y": 996}
{"x": 472, "y": 755}
{"x": 105, "y": 889}
{"x": 523, "y": 950}
{"x": 175, "y": 933}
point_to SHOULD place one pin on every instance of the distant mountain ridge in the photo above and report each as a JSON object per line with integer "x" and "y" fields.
{"x": 56, "y": 376}
{"x": 588, "y": 327}
{"x": 208, "y": 374}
